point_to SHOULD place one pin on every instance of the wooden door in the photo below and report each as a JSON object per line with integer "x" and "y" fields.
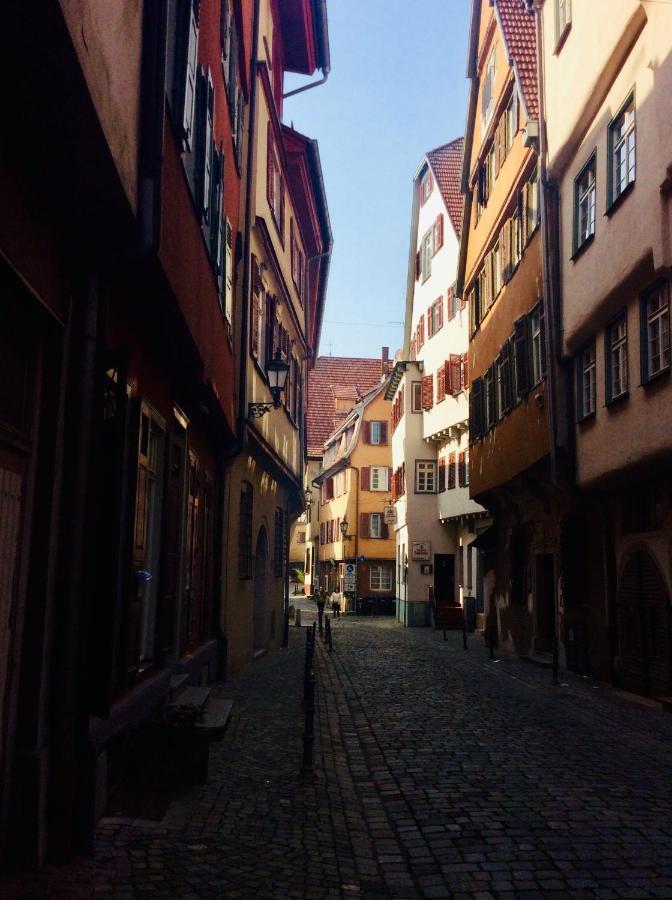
{"x": 644, "y": 628}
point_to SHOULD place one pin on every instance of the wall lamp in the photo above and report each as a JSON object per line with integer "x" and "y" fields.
{"x": 276, "y": 371}
{"x": 343, "y": 526}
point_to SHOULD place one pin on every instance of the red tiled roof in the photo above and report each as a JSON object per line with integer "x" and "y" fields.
{"x": 446, "y": 163}
{"x": 331, "y": 378}
{"x": 521, "y": 44}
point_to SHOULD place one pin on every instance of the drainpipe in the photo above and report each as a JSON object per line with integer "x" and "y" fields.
{"x": 308, "y": 87}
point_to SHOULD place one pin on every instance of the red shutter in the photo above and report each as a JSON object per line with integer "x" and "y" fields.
{"x": 322, "y": 541}
{"x": 439, "y": 318}
{"x": 384, "y": 531}
{"x": 281, "y": 223}
{"x": 270, "y": 166}
{"x": 461, "y": 480}
{"x": 450, "y": 303}
{"x": 364, "y": 525}
{"x": 447, "y": 375}
{"x": 254, "y": 331}
{"x": 442, "y": 474}
{"x": 465, "y": 371}
{"x": 330, "y": 489}
{"x": 366, "y": 478}
{"x": 430, "y": 323}
{"x": 455, "y": 372}
{"x": 383, "y": 432}
{"x": 451, "y": 471}
{"x": 421, "y": 331}
{"x": 366, "y": 427}
{"x": 440, "y": 383}
{"x": 427, "y": 391}
{"x": 438, "y": 233}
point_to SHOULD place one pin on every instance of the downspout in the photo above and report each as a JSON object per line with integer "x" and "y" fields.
{"x": 550, "y": 332}
{"x": 308, "y": 87}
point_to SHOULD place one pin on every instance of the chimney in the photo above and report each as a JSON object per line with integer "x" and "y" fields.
{"x": 385, "y": 362}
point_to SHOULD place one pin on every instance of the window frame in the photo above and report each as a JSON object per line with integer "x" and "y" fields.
{"x": 426, "y": 253}
{"x": 582, "y": 369}
{"x": 378, "y": 518}
{"x": 416, "y": 396}
{"x": 380, "y": 570}
{"x": 579, "y": 242}
{"x": 609, "y": 346}
{"x": 536, "y": 338}
{"x": 613, "y": 197}
{"x": 385, "y": 480}
{"x": 562, "y": 28}
{"x": 431, "y": 469}
{"x": 648, "y": 376}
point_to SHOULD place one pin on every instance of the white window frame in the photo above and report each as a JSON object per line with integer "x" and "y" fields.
{"x": 488, "y": 96}
{"x": 563, "y": 18}
{"x": 588, "y": 373}
{"x": 623, "y": 149}
{"x": 586, "y": 197}
{"x": 657, "y": 330}
{"x": 379, "y": 475}
{"x": 425, "y": 476}
{"x": 426, "y": 253}
{"x": 376, "y": 432}
{"x": 376, "y": 525}
{"x": 416, "y": 395}
{"x": 617, "y": 357}
{"x": 380, "y": 578}
{"x": 425, "y": 187}
{"x": 535, "y": 344}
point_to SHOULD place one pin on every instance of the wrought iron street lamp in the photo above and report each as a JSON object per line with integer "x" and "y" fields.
{"x": 344, "y": 530}
{"x": 276, "y": 371}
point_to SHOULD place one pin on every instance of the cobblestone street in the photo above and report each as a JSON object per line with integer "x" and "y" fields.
{"x": 439, "y": 773}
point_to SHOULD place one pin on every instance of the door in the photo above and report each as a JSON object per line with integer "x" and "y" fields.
{"x": 644, "y": 628}
{"x": 444, "y": 579}
{"x": 261, "y": 591}
{"x": 544, "y": 602}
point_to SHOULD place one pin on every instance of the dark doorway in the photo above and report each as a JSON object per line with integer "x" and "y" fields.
{"x": 444, "y": 578}
{"x": 644, "y": 628}
{"x": 544, "y": 602}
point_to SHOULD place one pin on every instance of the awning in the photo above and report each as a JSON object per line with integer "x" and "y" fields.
{"x": 486, "y": 540}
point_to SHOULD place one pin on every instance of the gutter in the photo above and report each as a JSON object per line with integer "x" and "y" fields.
{"x": 320, "y": 12}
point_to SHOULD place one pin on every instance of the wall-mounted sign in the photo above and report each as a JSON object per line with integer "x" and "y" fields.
{"x": 390, "y": 515}
{"x": 421, "y": 551}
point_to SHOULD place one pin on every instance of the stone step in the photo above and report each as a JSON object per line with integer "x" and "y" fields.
{"x": 191, "y": 696}
{"x": 217, "y": 715}
{"x": 177, "y": 685}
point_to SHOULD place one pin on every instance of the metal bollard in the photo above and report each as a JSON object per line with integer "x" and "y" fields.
{"x": 464, "y": 631}
{"x": 308, "y": 732}
{"x": 330, "y": 643}
{"x": 556, "y": 660}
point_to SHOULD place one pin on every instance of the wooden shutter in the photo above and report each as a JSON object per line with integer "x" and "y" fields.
{"x": 330, "y": 488}
{"x": 270, "y": 167}
{"x": 490, "y": 396}
{"x": 455, "y": 373}
{"x": 383, "y": 432}
{"x": 439, "y": 309}
{"x": 421, "y": 331}
{"x": 366, "y": 478}
{"x": 465, "y": 372}
{"x": 364, "y": 525}
{"x": 440, "y": 383}
{"x": 505, "y": 251}
{"x": 254, "y": 331}
{"x": 476, "y": 412}
{"x": 430, "y": 323}
{"x": 451, "y": 471}
{"x": 427, "y": 391}
{"x": 417, "y": 266}
{"x": 520, "y": 336}
{"x": 442, "y": 474}
{"x": 461, "y": 470}
{"x": 542, "y": 339}
{"x": 322, "y": 541}
{"x": 187, "y": 68}
{"x": 281, "y": 223}
{"x": 450, "y": 304}
{"x": 438, "y": 232}
{"x": 384, "y": 530}
{"x": 366, "y": 432}
{"x": 505, "y": 376}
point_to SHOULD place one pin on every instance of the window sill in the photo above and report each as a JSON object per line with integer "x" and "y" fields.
{"x": 614, "y": 205}
{"x": 587, "y": 419}
{"x": 562, "y": 37}
{"x": 655, "y": 378}
{"x": 616, "y": 402}
{"x": 578, "y": 251}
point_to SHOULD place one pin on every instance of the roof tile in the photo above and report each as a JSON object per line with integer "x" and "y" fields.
{"x": 520, "y": 37}
{"x": 446, "y": 163}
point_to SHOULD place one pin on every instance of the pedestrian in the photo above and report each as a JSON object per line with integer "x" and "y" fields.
{"x": 335, "y": 606}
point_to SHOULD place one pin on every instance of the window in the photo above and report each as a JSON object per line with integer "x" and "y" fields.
{"x": 275, "y": 186}
{"x": 426, "y": 253}
{"x": 442, "y": 474}
{"x": 381, "y": 578}
{"x": 536, "y": 339}
{"x": 451, "y": 304}
{"x": 531, "y": 201}
{"x": 489, "y": 400}
{"x": 426, "y": 186}
{"x": 186, "y": 67}
{"x": 563, "y": 18}
{"x": 586, "y": 382}
{"x": 655, "y": 322}
{"x": 379, "y": 480}
{"x": 245, "y": 531}
{"x": 622, "y": 150}
{"x": 427, "y": 392}
{"x": 488, "y": 95}
{"x": 496, "y": 271}
{"x": 503, "y": 379}
{"x": 584, "y": 204}
{"x": 416, "y": 402}
{"x": 435, "y": 317}
{"x": 511, "y": 119}
{"x": 301, "y": 538}
{"x": 375, "y": 433}
{"x": 437, "y": 235}
{"x": 425, "y": 477}
{"x": 616, "y": 362}
{"x": 376, "y": 525}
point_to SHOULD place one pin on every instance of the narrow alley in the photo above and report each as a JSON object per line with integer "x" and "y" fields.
{"x": 438, "y": 773}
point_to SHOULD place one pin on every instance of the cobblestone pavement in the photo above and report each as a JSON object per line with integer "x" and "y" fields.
{"x": 439, "y": 773}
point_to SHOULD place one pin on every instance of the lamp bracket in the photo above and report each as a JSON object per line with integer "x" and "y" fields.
{"x": 257, "y": 410}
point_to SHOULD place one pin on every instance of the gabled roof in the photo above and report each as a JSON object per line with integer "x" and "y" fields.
{"x": 446, "y": 164}
{"x": 332, "y": 378}
{"x": 520, "y": 37}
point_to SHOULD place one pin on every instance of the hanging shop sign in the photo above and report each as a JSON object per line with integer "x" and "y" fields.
{"x": 390, "y": 515}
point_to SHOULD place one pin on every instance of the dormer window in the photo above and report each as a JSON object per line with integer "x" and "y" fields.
{"x": 488, "y": 95}
{"x": 426, "y": 187}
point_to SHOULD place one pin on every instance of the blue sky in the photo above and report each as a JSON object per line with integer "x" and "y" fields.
{"x": 397, "y": 88}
